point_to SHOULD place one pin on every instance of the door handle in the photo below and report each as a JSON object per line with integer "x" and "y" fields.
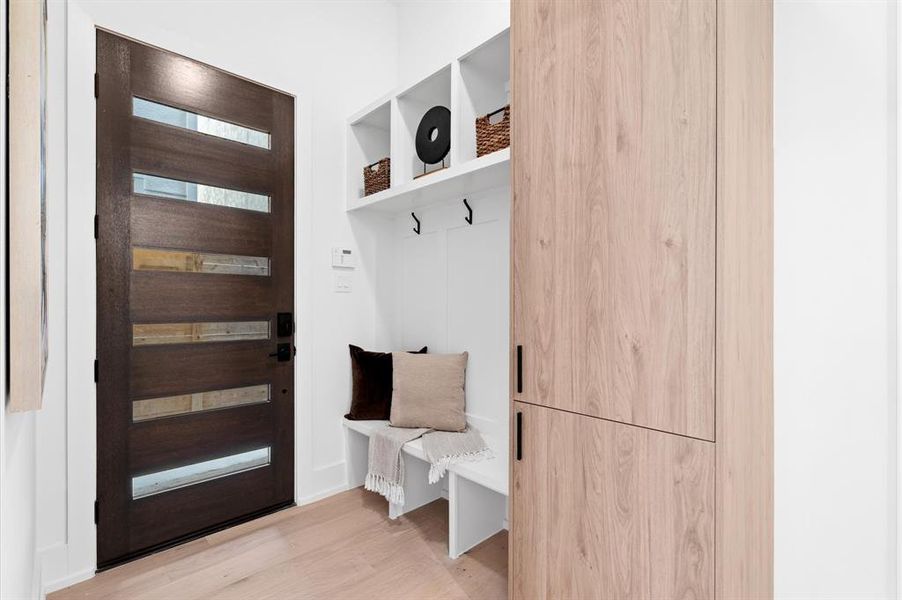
{"x": 519, "y": 369}
{"x": 283, "y": 352}
{"x": 519, "y": 435}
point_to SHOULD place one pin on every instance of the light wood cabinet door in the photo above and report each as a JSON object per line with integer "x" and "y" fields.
{"x": 606, "y": 510}
{"x": 613, "y": 209}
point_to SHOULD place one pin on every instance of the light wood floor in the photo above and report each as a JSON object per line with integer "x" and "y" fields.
{"x": 342, "y": 547}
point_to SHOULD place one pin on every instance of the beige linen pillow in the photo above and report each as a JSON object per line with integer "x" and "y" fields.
{"x": 428, "y": 390}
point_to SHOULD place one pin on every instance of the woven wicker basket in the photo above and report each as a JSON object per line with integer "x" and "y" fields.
{"x": 377, "y": 176}
{"x": 491, "y": 137}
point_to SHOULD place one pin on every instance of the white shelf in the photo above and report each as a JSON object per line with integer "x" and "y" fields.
{"x": 474, "y": 85}
{"x": 451, "y": 184}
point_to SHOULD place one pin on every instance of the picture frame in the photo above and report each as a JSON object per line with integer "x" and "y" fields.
{"x": 27, "y": 226}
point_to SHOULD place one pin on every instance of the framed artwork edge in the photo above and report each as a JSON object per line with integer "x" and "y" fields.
{"x": 27, "y": 283}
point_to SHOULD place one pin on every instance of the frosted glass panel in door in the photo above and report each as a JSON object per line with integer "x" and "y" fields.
{"x": 200, "y": 123}
{"x": 173, "y": 479}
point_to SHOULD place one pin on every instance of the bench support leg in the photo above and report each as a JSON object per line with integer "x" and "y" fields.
{"x": 356, "y": 457}
{"x": 476, "y": 513}
{"x": 417, "y": 490}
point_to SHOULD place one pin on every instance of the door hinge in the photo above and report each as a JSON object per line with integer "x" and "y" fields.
{"x": 96, "y": 512}
{"x": 519, "y": 435}
{"x": 97, "y": 85}
{"x": 96, "y": 227}
{"x": 96, "y": 371}
{"x": 519, "y": 369}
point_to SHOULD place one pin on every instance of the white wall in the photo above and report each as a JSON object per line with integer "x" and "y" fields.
{"x": 17, "y": 530}
{"x": 432, "y": 33}
{"x": 834, "y": 302}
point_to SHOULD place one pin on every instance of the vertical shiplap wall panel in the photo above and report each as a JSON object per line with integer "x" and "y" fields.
{"x": 478, "y": 313}
{"x": 421, "y": 301}
{"x": 452, "y": 295}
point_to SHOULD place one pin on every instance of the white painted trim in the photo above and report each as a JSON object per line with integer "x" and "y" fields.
{"x": 69, "y": 580}
{"x": 36, "y": 576}
{"x": 81, "y": 411}
{"x": 895, "y": 227}
{"x": 54, "y": 561}
{"x": 322, "y": 495}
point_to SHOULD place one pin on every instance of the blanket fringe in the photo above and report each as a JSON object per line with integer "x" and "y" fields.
{"x": 393, "y": 492}
{"x": 438, "y": 468}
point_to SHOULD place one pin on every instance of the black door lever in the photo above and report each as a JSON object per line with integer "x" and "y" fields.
{"x": 283, "y": 352}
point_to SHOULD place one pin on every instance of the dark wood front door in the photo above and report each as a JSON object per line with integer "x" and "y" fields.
{"x": 195, "y": 295}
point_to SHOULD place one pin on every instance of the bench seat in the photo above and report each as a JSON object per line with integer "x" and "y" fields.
{"x": 477, "y": 491}
{"x": 491, "y": 473}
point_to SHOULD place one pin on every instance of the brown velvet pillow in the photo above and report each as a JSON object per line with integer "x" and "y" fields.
{"x": 372, "y": 382}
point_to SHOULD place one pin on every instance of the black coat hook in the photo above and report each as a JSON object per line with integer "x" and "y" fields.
{"x": 468, "y": 219}
{"x": 416, "y": 229}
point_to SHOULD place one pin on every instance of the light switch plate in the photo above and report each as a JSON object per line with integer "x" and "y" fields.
{"x": 342, "y": 283}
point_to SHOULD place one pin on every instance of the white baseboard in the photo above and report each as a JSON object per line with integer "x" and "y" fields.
{"x": 53, "y": 562}
{"x": 64, "y": 582}
{"x": 36, "y": 588}
{"x": 322, "y": 495}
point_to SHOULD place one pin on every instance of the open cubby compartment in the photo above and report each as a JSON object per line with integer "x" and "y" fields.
{"x": 412, "y": 104}
{"x": 484, "y": 88}
{"x": 369, "y": 140}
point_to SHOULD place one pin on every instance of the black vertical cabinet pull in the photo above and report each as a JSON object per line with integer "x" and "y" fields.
{"x": 519, "y": 369}
{"x": 519, "y": 435}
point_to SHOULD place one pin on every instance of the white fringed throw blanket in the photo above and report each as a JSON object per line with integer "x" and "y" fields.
{"x": 445, "y": 448}
{"x": 385, "y": 474}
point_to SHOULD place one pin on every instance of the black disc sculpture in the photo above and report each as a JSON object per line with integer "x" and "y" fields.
{"x": 433, "y": 139}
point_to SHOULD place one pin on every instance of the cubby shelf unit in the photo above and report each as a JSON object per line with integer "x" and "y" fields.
{"x": 474, "y": 85}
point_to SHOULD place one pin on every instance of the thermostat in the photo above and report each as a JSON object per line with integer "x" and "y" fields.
{"x": 343, "y": 258}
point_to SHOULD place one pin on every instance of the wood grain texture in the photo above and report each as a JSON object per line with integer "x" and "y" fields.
{"x": 341, "y": 547}
{"x": 623, "y": 511}
{"x": 745, "y": 459}
{"x": 27, "y": 356}
{"x": 169, "y": 443}
{"x": 126, "y": 297}
{"x": 161, "y": 76}
{"x": 282, "y": 274}
{"x": 113, "y": 187}
{"x": 194, "y": 226}
{"x": 613, "y": 143}
{"x": 165, "y": 297}
{"x": 176, "y": 153}
{"x": 168, "y": 370}
{"x": 159, "y": 518}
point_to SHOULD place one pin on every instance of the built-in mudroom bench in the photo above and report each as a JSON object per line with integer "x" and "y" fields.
{"x": 476, "y": 491}
{"x": 435, "y": 239}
